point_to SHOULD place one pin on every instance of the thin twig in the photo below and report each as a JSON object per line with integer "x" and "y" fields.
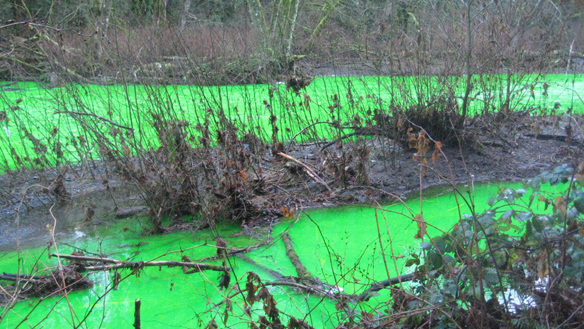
{"x": 309, "y": 171}
{"x": 375, "y": 287}
{"x": 300, "y": 132}
{"x": 235, "y": 251}
{"x": 95, "y": 116}
{"x": 340, "y": 139}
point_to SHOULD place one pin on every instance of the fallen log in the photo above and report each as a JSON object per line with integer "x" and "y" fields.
{"x": 317, "y": 288}
{"x": 375, "y": 287}
{"x": 305, "y": 278}
{"x": 556, "y": 137}
{"x": 301, "y": 270}
{"x": 16, "y": 277}
{"x": 8, "y": 84}
{"x": 63, "y": 279}
{"x": 68, "y": 277}
{"x": 276, "y": 275}
{"x": 95, "y": 116}
{"x": 139, "y": 264}
{"x": 85, "y": 258}
{"x": 105, "y": 264}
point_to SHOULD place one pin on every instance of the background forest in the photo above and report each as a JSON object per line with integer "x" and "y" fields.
{"x": 234, "y": 42}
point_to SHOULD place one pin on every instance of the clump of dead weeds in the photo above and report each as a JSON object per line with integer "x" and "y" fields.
{"x": 202, "y": 171}
{"x": 440, "y": 117}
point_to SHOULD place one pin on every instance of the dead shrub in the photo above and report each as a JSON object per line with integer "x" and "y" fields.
{"x": 439, "y": 117}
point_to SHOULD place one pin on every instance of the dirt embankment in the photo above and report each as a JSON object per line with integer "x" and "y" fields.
{"x": 517, "y": 149}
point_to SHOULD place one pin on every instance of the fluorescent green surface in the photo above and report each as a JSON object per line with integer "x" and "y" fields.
{"x": 350, "y": 232}
{"x": 34, "y": 107}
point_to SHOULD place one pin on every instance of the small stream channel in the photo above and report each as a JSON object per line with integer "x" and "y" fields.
{"x": 335, "y": 244}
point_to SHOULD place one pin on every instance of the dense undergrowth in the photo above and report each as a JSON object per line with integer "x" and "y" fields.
{"x": 516, "y": 264}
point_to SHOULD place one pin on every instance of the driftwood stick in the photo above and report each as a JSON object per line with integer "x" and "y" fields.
{"x": 22, "y": 277}
{"x": 86, "y": 258}
{"x": 8, "y": 84}
{"x": 65, "y": 279}
{"x": 375, "y": 287}
{"x": 307, "y": 288}
{"x": 14, "y": 277}
{"x": 301, "y": 270}
{"x": 309, "y": 170}
{"x": 95, "y": 116}
{"x": 116, "y": 264}
{"x": 133, "y": 265}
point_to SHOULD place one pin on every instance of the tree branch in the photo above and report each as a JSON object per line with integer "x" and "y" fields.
{"x": 95, "y": 116}
{"x": 116, "y": 264}
{"x": 309, "y": 171}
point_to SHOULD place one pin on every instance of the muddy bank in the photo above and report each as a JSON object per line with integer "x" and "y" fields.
{"x": 30, "y": 206}
{"x": 90, "y": 194}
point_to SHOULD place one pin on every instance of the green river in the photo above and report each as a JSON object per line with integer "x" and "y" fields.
{"x": 346, "y": 236}
{"x": 46, "y": 113}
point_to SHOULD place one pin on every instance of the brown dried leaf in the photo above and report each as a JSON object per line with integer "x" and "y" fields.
{"x": 270, "y": 308}
{"x": 220, "y": 245}
{"x": 436, "y": 154}
{"x": 542, "y": 265}
{"x": 262, "y": 294}
{"x": 212, "y": 325}
{"x": 288, "y": 213}
{"x": 422, "y": 227}
{"x": 251, "y": 289}
{"x": 412, "y": 142}
{"x": 228, "y": 308}
{"x": 560, "y": 205}
{"x": 580, "y": 174}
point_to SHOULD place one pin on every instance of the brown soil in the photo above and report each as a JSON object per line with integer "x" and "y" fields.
{"x": 516, "y": 149}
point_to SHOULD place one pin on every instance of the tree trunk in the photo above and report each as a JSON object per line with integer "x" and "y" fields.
{"x": 183, "y": 19}
{"x": 292, "y": 27}
{"x": 467, "y": 60}
{"x": 105, "y": 8}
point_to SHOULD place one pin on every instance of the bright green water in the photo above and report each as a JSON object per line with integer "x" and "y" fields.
{"x": 345, "y": 236}
{"x": 249, "y": 106}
